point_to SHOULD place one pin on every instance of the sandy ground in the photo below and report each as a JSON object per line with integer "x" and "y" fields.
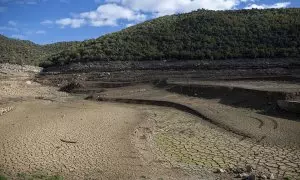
{"x": 35, "y": 137}
{"x": 45, "y": 132}
{"x": 186, "y": 142}
{"x": 184, "y": 139}
{"x": 17, "y": 84}
{"x": 269, "y": 129}
{"x": 52, "y": 133}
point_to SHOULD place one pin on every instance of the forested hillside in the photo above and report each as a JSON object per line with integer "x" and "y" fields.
{"x": 26, "y": 52}
{"x": 198, "y": 35}
{"x": 203, "y": 34}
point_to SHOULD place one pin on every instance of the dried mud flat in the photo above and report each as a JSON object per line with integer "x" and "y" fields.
{"x": 184, "y": 142}
{"x": 77, "y": 140}
{"x": 45, "y": 133}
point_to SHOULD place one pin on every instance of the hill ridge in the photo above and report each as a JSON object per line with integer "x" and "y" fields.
{"x": 199, "y": 35}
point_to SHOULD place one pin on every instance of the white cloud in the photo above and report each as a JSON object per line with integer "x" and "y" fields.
{"x": 47, "y": 22}
{"x": 74, "y": 23}
{"x": 244, "y": 1}
{"x": 12, "y": 23}
{"x": 109, "y": 14}
{"x": 18, "y": 36}
{"x": 130, "y": 24}
{"x": 165, "y": 7}
{"x": 264, "y": 6}
{"x": 104, "y": 15}
{"x": 134, "y": 11}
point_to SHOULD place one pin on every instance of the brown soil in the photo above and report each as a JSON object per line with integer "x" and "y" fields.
{"x": 51, "y": 133}
{"x": 59, "y": 134}
{"x": 77, "y": 139}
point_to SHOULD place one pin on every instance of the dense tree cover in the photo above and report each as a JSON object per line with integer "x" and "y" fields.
{"x": 199, "y": 35}
{"x": 26, "y": 52}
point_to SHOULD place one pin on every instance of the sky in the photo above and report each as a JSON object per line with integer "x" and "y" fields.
{"x": 49, "y": 21}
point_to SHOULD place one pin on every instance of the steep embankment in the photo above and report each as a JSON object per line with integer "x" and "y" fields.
{"x": 272, "y": 33}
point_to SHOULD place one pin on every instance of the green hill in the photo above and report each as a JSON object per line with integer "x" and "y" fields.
{"x": 203, "y": 34}
{"x": 26, "y": 52}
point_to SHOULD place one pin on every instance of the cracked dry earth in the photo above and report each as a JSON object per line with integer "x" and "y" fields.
{"x": 167, "y": 143}
{"x": 34, "y": 138}
{"x": 183, "y": 141}
{"x": 45, "y": 133}
{"x": 80, "y": 139}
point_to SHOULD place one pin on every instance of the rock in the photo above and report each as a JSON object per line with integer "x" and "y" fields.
{"x": 238, "y": 170}
{"x": 221, "y": 170}
{"x": 5, "y": 110}
{"x": 28, "y": 82}
{"x": 249, "y": 168}
{"x": 251, "y": 177}
{"x": 71, "y": 86}
{"x": 264, "y": 177}
{"x": 290, "y": 106}
{"x": 271, "y": 176}
{"x": 230, "y": 170}
{"x": 243, "y": 175}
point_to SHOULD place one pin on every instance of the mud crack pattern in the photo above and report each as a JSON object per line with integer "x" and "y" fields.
{"x": 30, "y": 142}
{"x": 185, "y": 142}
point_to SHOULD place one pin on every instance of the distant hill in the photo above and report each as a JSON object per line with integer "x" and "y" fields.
{"x": 27, "y": 52}
{"x": 203, "y": 34}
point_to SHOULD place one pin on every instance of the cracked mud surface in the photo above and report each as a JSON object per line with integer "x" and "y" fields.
{"x": 54, "y": 133}
{"x": 105, "y": 147}
{"x": 31, "y": 140}
{"x": 184, "y": 141}
{"x": 265, "y": 129}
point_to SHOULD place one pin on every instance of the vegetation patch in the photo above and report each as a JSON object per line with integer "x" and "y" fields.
{"x": 2, "y": 177}
{"x": 39, "y": 175}
{"x": 202, "y": 34}
{"x": 28, "y": 53}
